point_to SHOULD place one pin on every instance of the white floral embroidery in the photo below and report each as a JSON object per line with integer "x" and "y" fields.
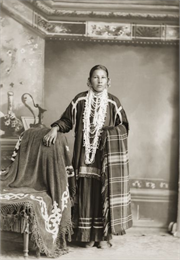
{"x": 65, "y": 198}
{"x": 13, "y": 196}
{"x": 53, "y": 220}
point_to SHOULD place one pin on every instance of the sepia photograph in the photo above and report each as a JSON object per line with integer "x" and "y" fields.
{"x": 89, "y": 130}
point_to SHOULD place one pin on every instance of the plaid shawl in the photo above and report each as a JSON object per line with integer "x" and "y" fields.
{"x": 115, "y": 179}
{"x": 36, "y": 188}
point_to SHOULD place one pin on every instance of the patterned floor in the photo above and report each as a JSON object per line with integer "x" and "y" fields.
{"x": 135, "y": 245}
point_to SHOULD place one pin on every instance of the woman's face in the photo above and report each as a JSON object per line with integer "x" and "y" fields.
{"x": 99, "y": 80}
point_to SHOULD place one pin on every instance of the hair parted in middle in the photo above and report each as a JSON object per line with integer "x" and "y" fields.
{"x": 98, "y": 67}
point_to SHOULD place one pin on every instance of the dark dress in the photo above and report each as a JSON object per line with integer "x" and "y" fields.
{"x": 87, "y": 212}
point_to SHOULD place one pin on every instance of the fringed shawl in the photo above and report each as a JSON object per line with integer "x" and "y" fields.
{"x": 115, "y": 182}
{"x": 36, "y": 189}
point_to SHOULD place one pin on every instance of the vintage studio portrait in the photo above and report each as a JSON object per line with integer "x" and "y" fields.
{"x": 89, "y": 130}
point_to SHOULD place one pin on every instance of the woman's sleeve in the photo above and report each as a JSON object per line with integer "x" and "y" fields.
{"x": 121, "y": 117}
{"x": 65, "y": 122}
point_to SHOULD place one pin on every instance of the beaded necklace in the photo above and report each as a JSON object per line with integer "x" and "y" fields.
{"x": 94, "y": 117}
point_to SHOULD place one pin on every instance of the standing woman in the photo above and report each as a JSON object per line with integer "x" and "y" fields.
{"x": 95, "y": 114}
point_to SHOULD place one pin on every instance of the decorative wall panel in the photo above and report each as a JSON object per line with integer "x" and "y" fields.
{"x": 109, "y": 30}
{"x": 59, "y": 28}
{"x": 171, "y": 32}
{"x": 148, "y": 32}
{"x": 129, "y": 31}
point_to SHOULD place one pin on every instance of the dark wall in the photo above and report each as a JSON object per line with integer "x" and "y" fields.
{"x": 145, "y": 78}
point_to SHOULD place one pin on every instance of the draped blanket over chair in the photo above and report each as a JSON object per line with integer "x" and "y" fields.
{"x": 38, "y": 187}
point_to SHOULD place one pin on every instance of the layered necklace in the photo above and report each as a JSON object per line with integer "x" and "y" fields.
{"x": 94, "y": 117}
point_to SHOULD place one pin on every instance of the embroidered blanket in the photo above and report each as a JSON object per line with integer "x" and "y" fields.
{"x": 115, "y": 178}
{"x": 38, "y": 187}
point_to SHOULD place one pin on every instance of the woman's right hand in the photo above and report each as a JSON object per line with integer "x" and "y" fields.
{"x": 50, "y": 137}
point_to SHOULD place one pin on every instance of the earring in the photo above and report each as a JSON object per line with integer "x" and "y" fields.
{"x": 109, "y": 83}
{"x": 89, "y": 83}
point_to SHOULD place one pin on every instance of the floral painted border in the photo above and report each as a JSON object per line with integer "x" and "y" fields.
{"x": 102, "y": 30}
{"x": 130, "y": 31}
{"x": 114, "y": 31}
{"x": 109, "y": 30}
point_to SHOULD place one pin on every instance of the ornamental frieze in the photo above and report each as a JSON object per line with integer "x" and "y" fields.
{"x": 88, "y": 30}
{"x": 102, "y": 30}
{"x": 48, "y": 10}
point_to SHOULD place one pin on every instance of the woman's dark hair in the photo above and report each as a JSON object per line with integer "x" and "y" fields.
{"x": 98, "y": 67}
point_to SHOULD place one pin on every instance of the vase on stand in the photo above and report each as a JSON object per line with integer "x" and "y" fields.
{"x": 12, "y": 125}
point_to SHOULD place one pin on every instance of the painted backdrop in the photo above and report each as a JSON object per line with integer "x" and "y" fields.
{"x": 22, "y": 64}
{"x": 146, "y": 81}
